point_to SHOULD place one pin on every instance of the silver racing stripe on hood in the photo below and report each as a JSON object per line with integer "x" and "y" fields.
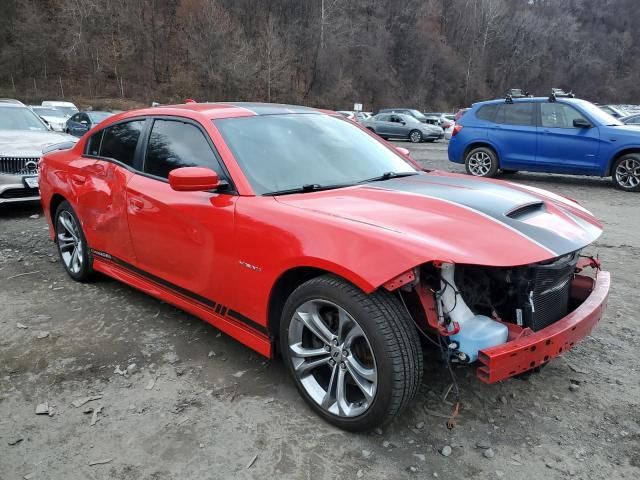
{"x": 496, "y": 203}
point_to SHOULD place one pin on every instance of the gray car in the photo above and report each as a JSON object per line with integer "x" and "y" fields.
{"x": 398, "y": 125}
{"x": 23, "y": 136}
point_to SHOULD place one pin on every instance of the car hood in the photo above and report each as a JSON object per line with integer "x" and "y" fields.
{"x": 19, "y": 143}
{"x": 624, "y": 131}
{"x": 458, "y": 218}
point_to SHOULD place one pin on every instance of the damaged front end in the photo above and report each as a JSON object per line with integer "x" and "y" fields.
{"x": 507, "y": 319}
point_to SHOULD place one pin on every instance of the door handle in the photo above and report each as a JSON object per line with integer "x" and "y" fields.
{"x": 136, "y": 204}
{"x": 78, "y": 179}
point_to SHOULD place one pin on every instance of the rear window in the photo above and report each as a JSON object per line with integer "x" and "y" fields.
{"x": 117, "y": 142}
{"x": 516, "y": 114}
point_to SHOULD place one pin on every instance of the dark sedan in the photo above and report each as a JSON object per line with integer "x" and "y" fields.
{"x": 82, "y": 122}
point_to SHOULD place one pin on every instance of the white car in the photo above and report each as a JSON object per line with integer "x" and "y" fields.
{"x": 57, "y": 119}
{"x": 66, "y": 107}
{"x": 23, "y": 137}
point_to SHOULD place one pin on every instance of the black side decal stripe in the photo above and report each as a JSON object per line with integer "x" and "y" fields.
{"x": 214, "y": 306}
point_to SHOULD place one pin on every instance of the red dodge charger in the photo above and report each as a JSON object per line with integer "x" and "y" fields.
{"x": 296, "y": 231}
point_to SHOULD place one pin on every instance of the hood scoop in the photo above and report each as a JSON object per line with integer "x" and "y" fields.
{"x": 522, "y": 212}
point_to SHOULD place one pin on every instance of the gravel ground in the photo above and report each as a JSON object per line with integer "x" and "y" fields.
{"x": 199, "y": 405}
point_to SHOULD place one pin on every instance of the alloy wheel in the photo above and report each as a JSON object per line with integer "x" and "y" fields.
{"x": 415, "y": 137}
{"x": 69, "y": 242}
{"x": 332, "y": 358}
{"x": 628, "y": 173}
{"x": 480, "y": 164}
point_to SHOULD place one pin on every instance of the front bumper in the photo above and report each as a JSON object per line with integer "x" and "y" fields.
{"x": 525, "y": 353}
{"x": 13, "y": 189}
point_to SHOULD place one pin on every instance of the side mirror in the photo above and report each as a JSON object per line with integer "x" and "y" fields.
{"x": 581, "y": 123}
{"x": 403, "y": 151}
{"x": 193, "y": 179}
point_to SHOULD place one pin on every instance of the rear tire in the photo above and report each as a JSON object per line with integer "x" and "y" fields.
{"x": 481, "y": 162}
{"x": 625, "y": 173}
{"x": 331, "y": 331}
{"x": 72, "y": 244}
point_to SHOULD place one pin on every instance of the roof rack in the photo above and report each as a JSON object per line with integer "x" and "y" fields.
{"x": 559, "y": 93}
{"x": 515, "y": 93}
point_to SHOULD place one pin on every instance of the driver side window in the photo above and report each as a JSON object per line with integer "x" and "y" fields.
{"x": 558, "y": 115}
{"x": 175, "y": 144}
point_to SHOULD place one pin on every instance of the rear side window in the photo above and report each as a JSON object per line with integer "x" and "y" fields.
{"x": 93, "y": 144}
{"x": 174, "y": 144}
{"x": 488, "y": 112}
{"x": 519, "y": 113}
{"x": 119, "y": 141}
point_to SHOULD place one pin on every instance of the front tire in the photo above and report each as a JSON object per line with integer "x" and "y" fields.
{"x": 72, "y": 244}
{"x": 481, "y": 162}
{"x": 355, "y": 358}
{"x": 625, "y": 173}
{"x": 415, "y": 136}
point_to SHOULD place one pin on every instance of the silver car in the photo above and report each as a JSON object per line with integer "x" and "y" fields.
{"x": 23, "y": 136}
{"x": 399, "y": 125}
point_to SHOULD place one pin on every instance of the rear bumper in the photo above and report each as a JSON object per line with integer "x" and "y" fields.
{"x": 525, "y": 353}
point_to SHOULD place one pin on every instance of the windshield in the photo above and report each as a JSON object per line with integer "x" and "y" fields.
{"x": 68, "y": 111}
{"x": 417, "y": 114}
{"x": 410, "y": 119}
{"x": 49, "y": 112}
{"x": 597, "y": 114}
{"x": 14, "y": 118}
{"x": 280, "y": 152}
{"x": 98, "y": 116}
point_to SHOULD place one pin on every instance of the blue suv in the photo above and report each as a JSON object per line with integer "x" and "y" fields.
{"x": 558, "y": 134}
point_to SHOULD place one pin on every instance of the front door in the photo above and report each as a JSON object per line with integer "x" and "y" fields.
{"x": 563, "y": 148}
{"x": 185, "y": 239}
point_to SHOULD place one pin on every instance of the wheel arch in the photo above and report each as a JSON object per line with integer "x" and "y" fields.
{"x": 54, "y": 203}
{"x": 480, "y": 143}
{"x": 291, "y": 279}
{"x": 617, "y": 155}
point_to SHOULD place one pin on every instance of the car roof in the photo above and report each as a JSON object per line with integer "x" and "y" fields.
{"x": 221, "y": 110}
{"x": 530, "y": 99}
{"x": 10, "y": 102}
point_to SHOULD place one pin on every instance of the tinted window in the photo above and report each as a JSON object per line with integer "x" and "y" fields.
{"x": 516, "y": 114}
{"x": 488, "y": 112}
{"x": 174, "y": 144}
{"x": 558, "y": 115}
{"x": 93, "y": 144}
{"x": 634, "y": 120}
{"x": 119, "y": 141}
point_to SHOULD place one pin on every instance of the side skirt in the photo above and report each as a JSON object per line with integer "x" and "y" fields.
{"x": 252, "y": 338}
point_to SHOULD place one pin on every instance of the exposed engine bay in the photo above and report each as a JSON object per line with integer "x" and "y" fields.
{"x": 477, "y": 307}
{"x": 532, "y": 296}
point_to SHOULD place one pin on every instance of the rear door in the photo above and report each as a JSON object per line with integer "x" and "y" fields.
{"x": 514, "y": 133}
{"x": 184, "y": 238}
{"x": 563, "y": 148}
{"x": 104, "y": 209}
